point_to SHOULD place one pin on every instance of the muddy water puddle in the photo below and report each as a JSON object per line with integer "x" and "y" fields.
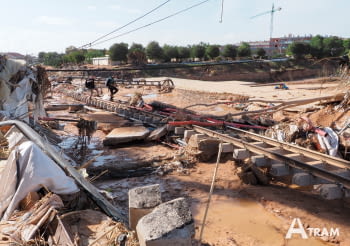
{"x": 240, "y": 221}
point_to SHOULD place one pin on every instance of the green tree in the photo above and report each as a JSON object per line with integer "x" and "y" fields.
{"x": 184, "y": 52}
{"x": 92, "y": 53}
{"x": 70, "y": 49}
{"x": 41, "y": 57}
{"x": 136, "y": 46}
{"x": 346, "y": 45}
{"x": 229, "y": 51}
{"x": 298, "y": 49}
{"x": 213, "y": 51}
{"x": 170, "y": 52}
{"x": 77, "y": 56}
{"x": 333, "y": 46}
{"x": 53, "y": 59}
{"x": 118, "y": 52}
{"x": 261, "y": 52}
{"x": 244, "y": 50}
{"x": 137, "y": 57}
{"x": 137, "y": 54}
{"x": 154, "y": 51}
{"x": 316, "y": 46}
{"x": 198, "y": 51}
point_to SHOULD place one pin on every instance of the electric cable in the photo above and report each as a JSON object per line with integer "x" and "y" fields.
{"x": 154, "y": 22}
{"x": 129, "y": 23}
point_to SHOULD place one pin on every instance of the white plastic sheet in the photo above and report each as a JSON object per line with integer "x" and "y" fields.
{"x": 35, "y": 170}
{"x": 329, "y": 142}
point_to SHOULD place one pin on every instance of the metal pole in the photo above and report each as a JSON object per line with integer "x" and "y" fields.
{"x": 210, "y": 193}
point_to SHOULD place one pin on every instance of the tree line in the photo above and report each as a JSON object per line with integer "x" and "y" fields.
{"x": 137, "y": 54}
{"x": 320, "y": 47}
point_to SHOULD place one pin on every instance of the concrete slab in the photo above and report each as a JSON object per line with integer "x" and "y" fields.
{"x": 125, "y": 135}
{"x": 170, "y": 224}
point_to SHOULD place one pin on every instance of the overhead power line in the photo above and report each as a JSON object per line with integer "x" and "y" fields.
{"x": 154, "y": 22}
{"x": 129, "y": 23}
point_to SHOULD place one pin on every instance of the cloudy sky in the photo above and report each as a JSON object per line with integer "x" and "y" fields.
{"x": 32, "y": 26}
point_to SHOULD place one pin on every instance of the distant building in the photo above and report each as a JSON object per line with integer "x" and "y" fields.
{"x": 281, "y": 44}
{"x": 104, "y": 61}
{"x": 278, "y": 45}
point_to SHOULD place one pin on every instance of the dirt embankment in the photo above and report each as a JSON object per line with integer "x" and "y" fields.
{"x": 252, "y": 71}
{"x": 258, "y": 71}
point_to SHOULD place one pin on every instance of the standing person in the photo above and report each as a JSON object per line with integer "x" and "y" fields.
{"x": 110, "y": 83}
{"x": 90, "y": 84}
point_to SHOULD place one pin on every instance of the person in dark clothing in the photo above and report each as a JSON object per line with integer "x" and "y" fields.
{"x": 90, "y": 84}
{"x": 110, "y": 83}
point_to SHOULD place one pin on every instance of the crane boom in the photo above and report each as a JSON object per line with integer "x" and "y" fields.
{"x": 272, "y": 11}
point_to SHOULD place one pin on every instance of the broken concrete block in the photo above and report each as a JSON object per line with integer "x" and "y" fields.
{"x": 240, "y": 154}
{"x": 227, "y": 148}
{"x": 331, "y": 191}
{"x": 169, "y": 224}
{"x": 279, "y": 169}
{"x": 125, "y": 135}
{"x": 259, "y": 161}
{"x": 303, "y": 179}
{"x": 142, "y": 200}
{"x": 179, "y": 130}
{"x": 188, "y": 134}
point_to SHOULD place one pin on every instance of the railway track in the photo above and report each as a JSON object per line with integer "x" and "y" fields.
{"x": 122, "y": 109}
{"x": 280, "y": 160}
{"x": 300, "y": 166}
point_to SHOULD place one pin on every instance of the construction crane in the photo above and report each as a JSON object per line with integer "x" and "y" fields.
{"x": 272, "y": 11}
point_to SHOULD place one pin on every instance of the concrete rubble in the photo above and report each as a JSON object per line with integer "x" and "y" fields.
{"x": 170, "y": 223}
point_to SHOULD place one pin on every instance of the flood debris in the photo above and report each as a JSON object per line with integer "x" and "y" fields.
{"x": 19, "y": 86}
{"x": 29, "y": 174}
{"x": 27, "y": 170}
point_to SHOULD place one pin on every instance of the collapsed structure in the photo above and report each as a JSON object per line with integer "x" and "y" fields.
{"x": 48, "y": 198}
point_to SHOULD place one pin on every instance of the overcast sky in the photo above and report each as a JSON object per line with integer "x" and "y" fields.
{"x": 32, "y": 26}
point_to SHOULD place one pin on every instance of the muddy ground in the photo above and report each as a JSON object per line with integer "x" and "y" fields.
{"x": 239, "y": 214}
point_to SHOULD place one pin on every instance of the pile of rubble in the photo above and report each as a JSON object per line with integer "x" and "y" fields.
{"x": 44, "y": 200}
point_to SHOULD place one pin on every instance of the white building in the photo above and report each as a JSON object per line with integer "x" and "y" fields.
{"x": 104, "y": 61}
